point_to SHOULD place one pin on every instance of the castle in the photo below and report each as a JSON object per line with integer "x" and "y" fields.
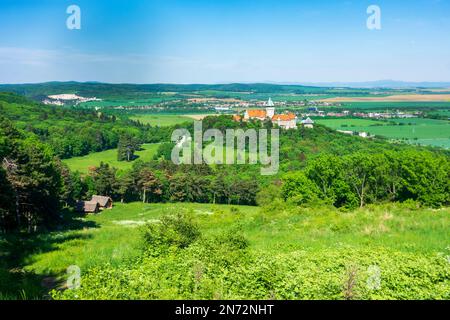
{"x": 285, "y": 121}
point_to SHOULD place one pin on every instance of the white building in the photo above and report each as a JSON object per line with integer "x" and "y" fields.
{"x": 308, "y": 123}
{"x": 285, "y": 121}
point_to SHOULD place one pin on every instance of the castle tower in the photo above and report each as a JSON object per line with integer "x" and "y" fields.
{"x": 270, "y": 112}
{"x": 270, "y": 109}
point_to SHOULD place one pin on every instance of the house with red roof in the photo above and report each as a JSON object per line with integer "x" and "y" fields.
{"x": 285, "y": 121}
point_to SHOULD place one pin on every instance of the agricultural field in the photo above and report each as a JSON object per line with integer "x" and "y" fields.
{"x": 161, "y": 120}
{"x": 419, "y": 121}
{"x": 444, "y": 112}
{"x": 82, "y": 164}
{"x": 395, "y": 98}
{"x": 200, "y": 117}
{"x": 416, "y": 130}
{"x": 275, "y": 96}
{"x": 410, "y": 105}
{"x": 408, "y": 244}
{"x": 341, "y": 124}
{"x": 123, "y": 103}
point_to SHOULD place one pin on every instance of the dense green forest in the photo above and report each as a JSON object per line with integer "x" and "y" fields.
{"x": 74, "y": 132}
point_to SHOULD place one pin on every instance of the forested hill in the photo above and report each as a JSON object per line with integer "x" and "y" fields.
{"x": 73, "y": 132}
{"x": 102, "y": 90}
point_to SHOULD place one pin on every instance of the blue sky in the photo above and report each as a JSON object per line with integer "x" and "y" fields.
{"x": 218, "y": 41}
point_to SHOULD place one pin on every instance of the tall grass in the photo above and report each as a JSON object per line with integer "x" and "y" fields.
{"x": 114, "y": 236}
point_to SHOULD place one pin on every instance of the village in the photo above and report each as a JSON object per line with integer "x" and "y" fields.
{"x": 312, "y": 109}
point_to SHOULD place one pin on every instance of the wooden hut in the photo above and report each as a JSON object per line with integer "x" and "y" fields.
{"x": 103, "y": 202}
{"x": 88, "y": 206}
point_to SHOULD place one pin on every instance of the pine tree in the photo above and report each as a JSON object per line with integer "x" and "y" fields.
{"x": 104, "y": 180}
{"x": 126, "y": 148}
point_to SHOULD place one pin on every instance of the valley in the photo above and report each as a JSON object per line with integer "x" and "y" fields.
{"x": 340, "y": 204}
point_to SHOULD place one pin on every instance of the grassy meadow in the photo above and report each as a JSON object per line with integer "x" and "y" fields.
{"x": 340, "y": 124}
{"x": 161, "y": 120}
{"x": 82, "y": 164}
{"x": 403, "y": 234}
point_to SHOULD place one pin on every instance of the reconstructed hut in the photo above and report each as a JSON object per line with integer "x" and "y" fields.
{"x": 103, "y": 202}
{"x": 88, "y": 206}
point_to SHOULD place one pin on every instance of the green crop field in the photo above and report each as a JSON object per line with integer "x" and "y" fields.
{"x": 161, "y": 120}
{"x": 433, "y": 134}
{"x": 275, "y": 96}
{"x": 379, "y": 106}
{"x": 409, "y": 245}
{"x": 138, "y": 102}
{"x": 443, "y": 112}
{"x": 409, "y": 132}
{"x": 416, "y": 130}
{"x": 342, "y": 123}
{"x": 420, "y": 121}
{"x": 82, "y": 164}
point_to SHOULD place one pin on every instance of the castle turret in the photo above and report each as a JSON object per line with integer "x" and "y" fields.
{"x": 270, "y": 110}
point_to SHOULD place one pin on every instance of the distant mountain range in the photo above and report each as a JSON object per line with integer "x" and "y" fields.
{"x": 379, "y": 84}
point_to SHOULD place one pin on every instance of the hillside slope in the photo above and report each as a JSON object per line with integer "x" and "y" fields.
{"x": 292, "y": 253}
{"x": 72, "y": 132}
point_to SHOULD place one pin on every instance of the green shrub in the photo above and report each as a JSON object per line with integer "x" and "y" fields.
{"x": 234, "y": 210}
{"x": 234, "y": 239}
{"x": 173, "y": 231}
{"x": 268, "y": 195}
{"x": 204, "y": 271}
{"x": 299, "y": 189}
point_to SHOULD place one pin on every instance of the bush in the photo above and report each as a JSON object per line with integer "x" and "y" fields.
{"x": 299, "y": 189}
{"x": 173, "y": 231}
{"x": 234, "y": 239}
{"x": 199, "y": 273}
{"x": 268, "y": 195}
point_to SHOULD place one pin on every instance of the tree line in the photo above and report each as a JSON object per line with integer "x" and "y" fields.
{"x": 162, "y": 181}
{"x": 362, "y": 178}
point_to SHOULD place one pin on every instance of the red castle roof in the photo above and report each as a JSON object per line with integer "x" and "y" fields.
{"x": 284, "y": 117}
{"x": 257, "y": 113}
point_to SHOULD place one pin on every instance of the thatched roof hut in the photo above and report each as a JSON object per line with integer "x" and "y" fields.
{"x": 103, "y": 202}
{"x": 87, "y": 206}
